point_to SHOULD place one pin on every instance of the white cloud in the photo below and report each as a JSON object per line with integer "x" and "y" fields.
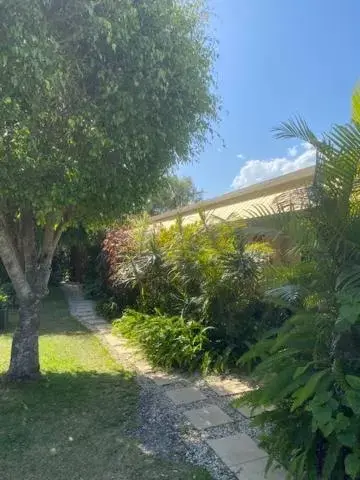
{"x": 255, "y": 171}
{"x": 241, "y": 156}
{"x": 292, "y": 151}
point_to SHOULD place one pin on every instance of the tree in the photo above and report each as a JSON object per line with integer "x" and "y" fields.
{"x": 98, "y": 99}
{"x": 174, "y": 192}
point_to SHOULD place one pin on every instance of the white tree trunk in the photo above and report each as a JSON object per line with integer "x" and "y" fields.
{"x": 24, "y": 363}
{"x": 29, "y": 270}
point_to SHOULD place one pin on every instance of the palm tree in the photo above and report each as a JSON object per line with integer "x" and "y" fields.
{"x": 310, "y": 367}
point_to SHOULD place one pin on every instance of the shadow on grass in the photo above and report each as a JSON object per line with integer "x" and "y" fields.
{"x": 56, "y": 324}
{"x": 76, "y": 426}
{"x": 55, "y": 318}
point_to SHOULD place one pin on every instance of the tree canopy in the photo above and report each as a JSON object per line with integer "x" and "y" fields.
{"x": 98, "y": 100}
{"x": 173, "y": 192}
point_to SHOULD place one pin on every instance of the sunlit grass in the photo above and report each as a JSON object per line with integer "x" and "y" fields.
{"x": 74, "y": 423}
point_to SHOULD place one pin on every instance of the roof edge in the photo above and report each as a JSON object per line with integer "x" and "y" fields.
{"x": 294, "y": 177}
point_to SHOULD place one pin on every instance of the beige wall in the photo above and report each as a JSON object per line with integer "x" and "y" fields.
{"x": 279, "y": 194}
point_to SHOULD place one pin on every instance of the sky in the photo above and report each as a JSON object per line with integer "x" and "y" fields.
{"x": 277, "y": 59}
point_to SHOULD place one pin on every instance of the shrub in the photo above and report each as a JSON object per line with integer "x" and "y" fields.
{"x": 95, "y": 278}
{"x": 201, "y": 272}
{"x": 116, "y": 247}
{"x": 101, "y": 283}
{"x": 108, "y": 308}
{"x": 168, "y": 342}
{"x": 309, "y": 369}
{"x": 4, "y": 300}
{"x": 60, "y": 266}
{"x": 8, "y": 294}
{"x": 315, "y": 425}
{"x": 198, "y": 272}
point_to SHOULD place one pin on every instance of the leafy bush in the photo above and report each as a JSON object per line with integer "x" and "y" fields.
{"x": 116, "y": 247}
{"x": 309, "y": 369}
{"x": 168, "y": 342}
{"x": 60, "y": 266}
{"x": 4, "y": 300}
{"x": 95, "y": 278}
{"x": 315, "y": 390}
{"x": 100, "y": 282}
{"x": 199, "y": 272}
{"x": 108, "y": 308}
{"x": 8, "y": 294}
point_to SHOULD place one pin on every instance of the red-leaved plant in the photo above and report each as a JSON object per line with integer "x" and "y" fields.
{"x": 117, "y": 246}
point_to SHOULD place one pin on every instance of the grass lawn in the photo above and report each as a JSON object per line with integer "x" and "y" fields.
{"x": 72, "y": 424}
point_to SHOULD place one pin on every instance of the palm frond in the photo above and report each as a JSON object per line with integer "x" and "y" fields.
{"x": 349, "y": 279}
{"x": 296, "y": 128}
{"x": 355, "y": 104}
{"x": 338, "y": 164}
{"x": 288, "y": 295}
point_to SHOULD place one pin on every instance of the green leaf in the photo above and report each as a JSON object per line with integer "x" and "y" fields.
{"x": 300, "y": 370}
{"x": 302, "y": 394}
{"x": 332, "y": 455}
{"x": 322, "y": 414}
{"x": 327, "y": 429}
{"x": 352, "y": 465}
{"x": 342, "y": 325}
{"x": 349, "y": 312}
{"x": 342, "y": 422}
{"x": 348, "y": 439}
{"x": 353, "y": 399}
{"x": 321, "y": 398}
{"x": 353, "y": 381}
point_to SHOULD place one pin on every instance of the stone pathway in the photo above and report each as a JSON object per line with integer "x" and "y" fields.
{"x": 219, "y": 431}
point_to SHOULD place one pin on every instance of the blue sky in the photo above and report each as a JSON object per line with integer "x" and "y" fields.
{"x": 277, "y": 58}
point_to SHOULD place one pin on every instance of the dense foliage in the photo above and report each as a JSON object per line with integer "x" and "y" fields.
{"x": 200, "y": 274}
{"x": 93, "y": 106}
{"x": 99, "y": 99}
{"x": 168, "y": 342}
{"x": 309, "y": 370}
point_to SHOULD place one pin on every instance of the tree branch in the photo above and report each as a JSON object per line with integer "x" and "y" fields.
{"x": 50, "y": 241}
{"x": 13, "y": 230}
{"x": 29, "y": 250}
{"x": 10, "y": 259}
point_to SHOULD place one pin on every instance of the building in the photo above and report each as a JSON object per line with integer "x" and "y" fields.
{"x": 278, "y": 195}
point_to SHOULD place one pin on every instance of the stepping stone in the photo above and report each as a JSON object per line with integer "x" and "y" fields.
{"x": 102, "y": 330}
{"x": 206, "y": 417}
{"x": 228, "y": 386}
{"x": 255, "y": 470}
{"x": 162, "y": 379}
{"x": 236, "y": 450}
{"x": 143, "y": 367}
{"x": 112, "y": 340}
{"x": 182, "y": 396}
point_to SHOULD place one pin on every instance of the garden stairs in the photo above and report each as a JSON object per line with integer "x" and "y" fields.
{"x": 200, "y": 401}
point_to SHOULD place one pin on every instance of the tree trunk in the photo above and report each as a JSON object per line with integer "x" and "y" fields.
{"x": 24, "y": 363}
{"x": 28, "y": 266}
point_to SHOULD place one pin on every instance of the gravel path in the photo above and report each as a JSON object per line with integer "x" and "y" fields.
{"x": 165, "y": 432}
{"x": 163, "y": 429}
